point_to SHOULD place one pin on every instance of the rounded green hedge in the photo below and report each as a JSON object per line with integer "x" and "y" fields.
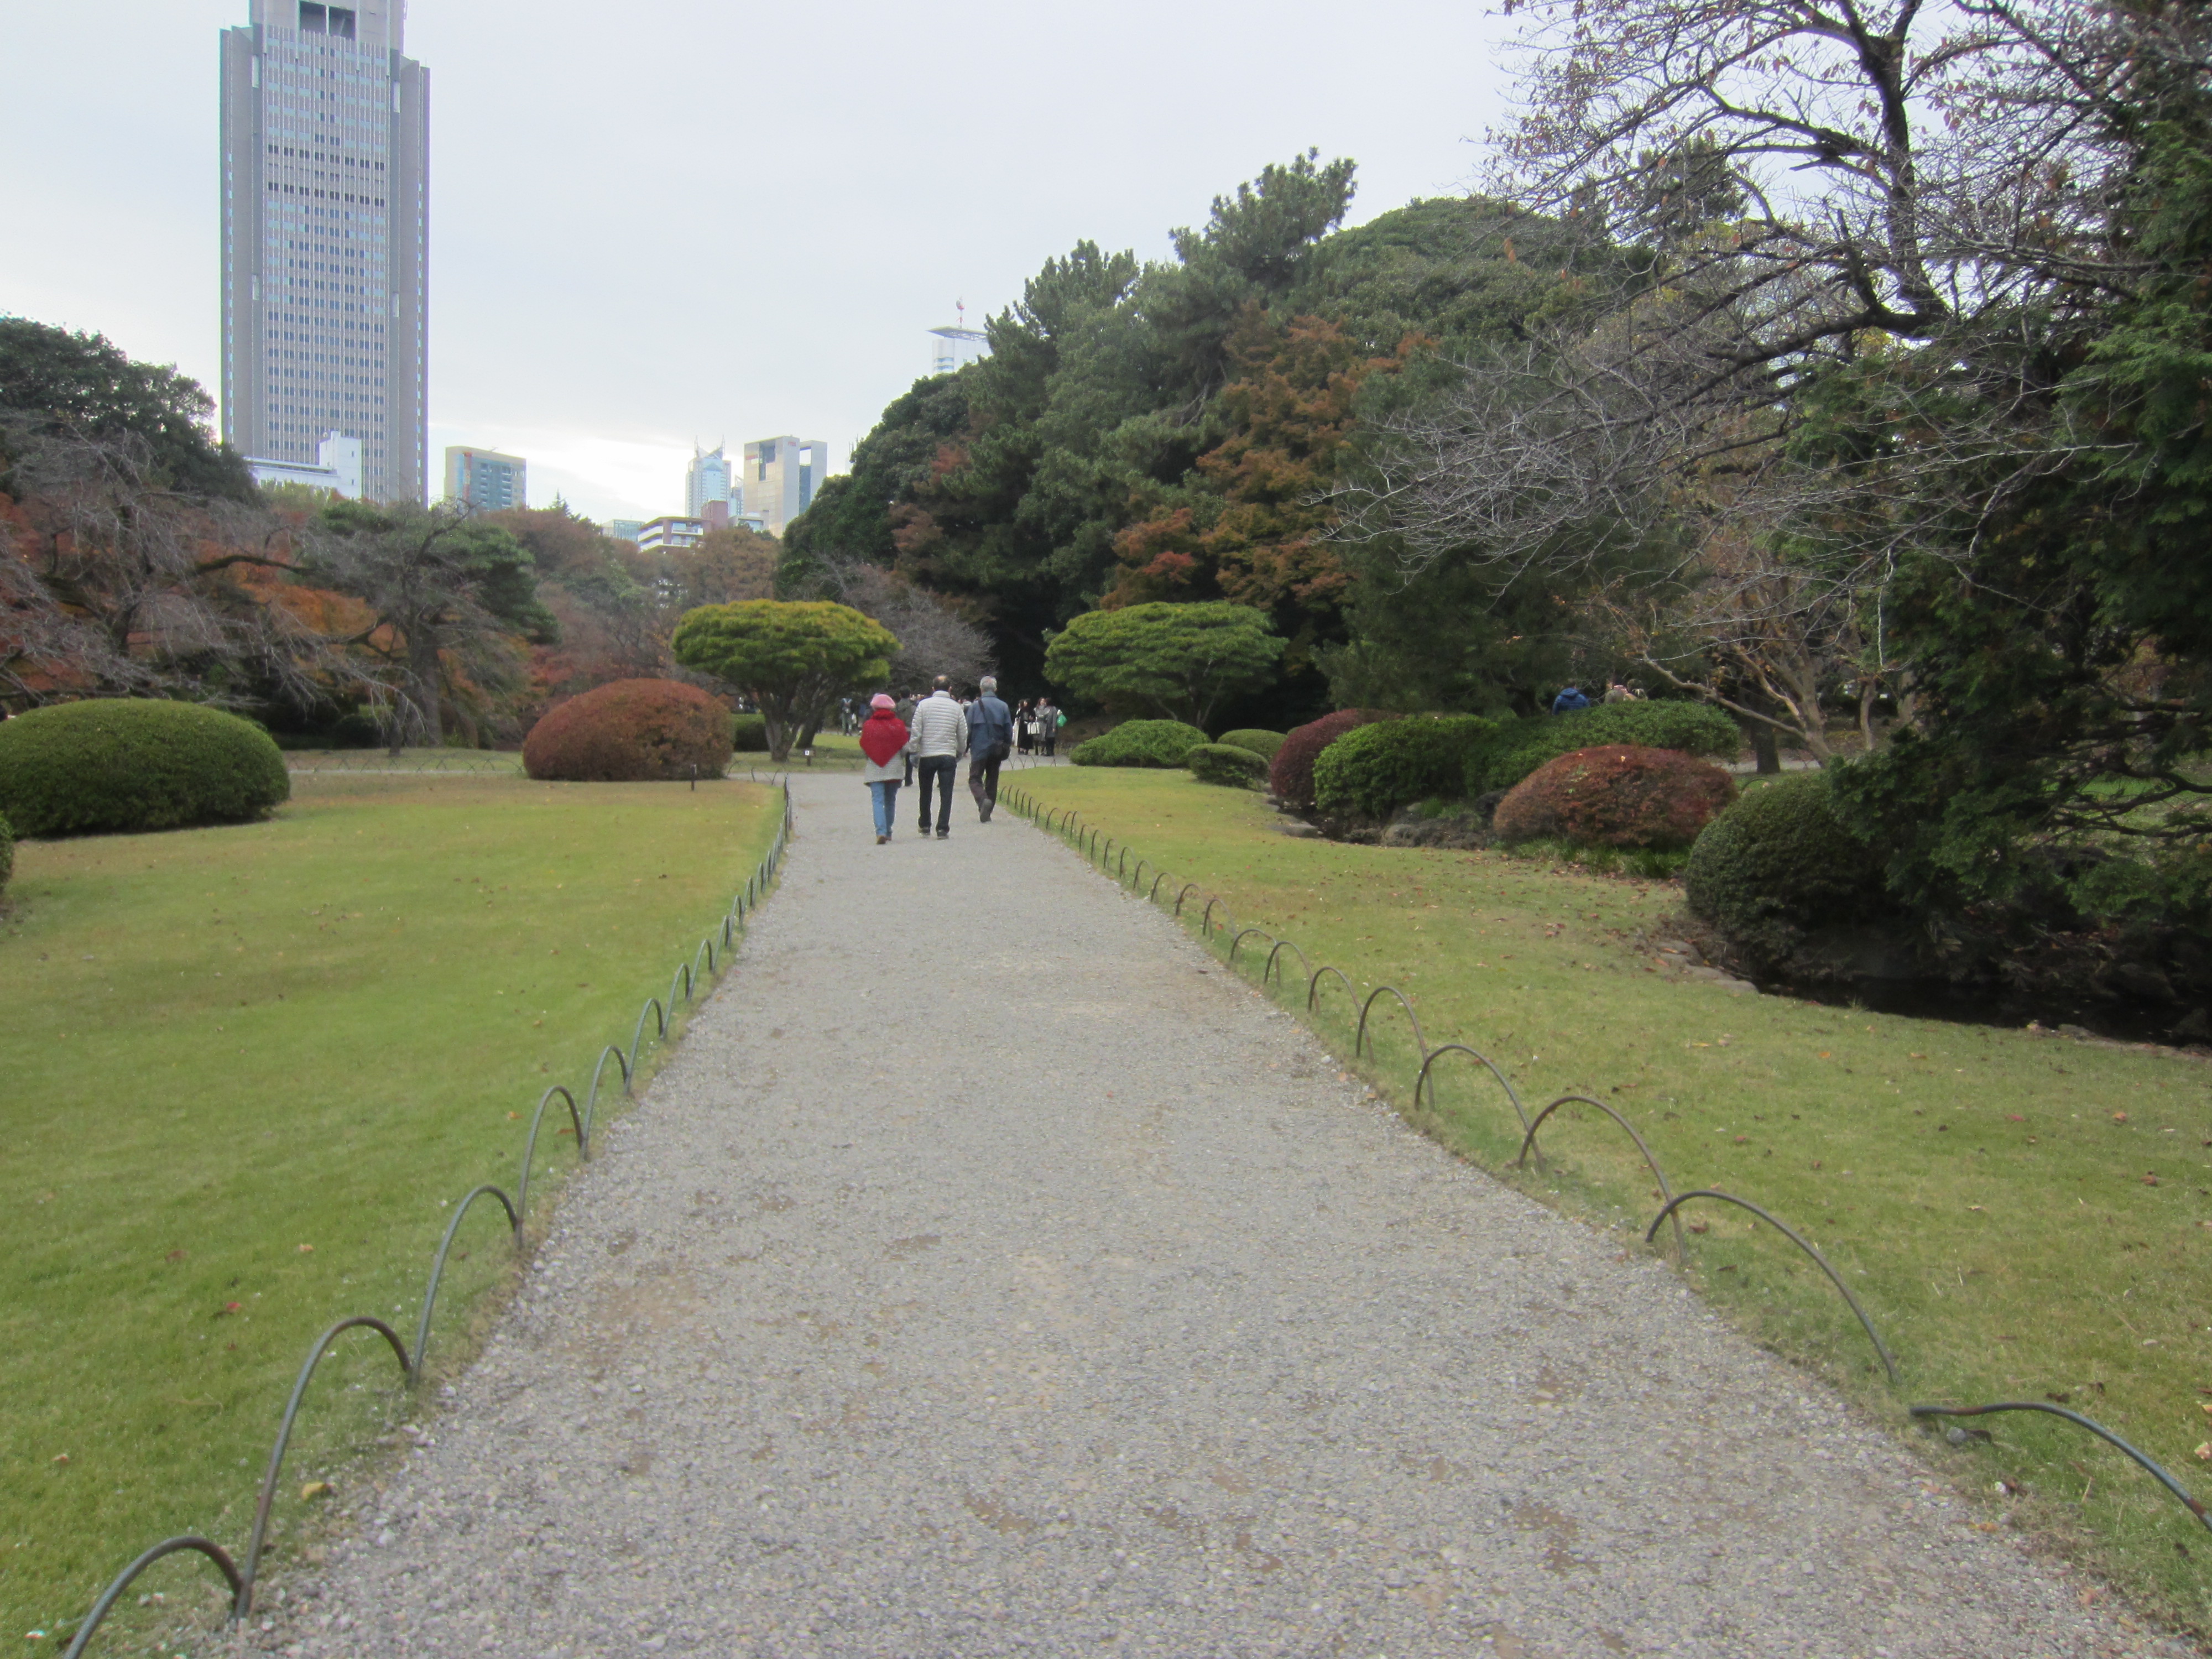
{"x": 126, "y": 764}
{"x": 1290, "y": 773}
{"x": 748, "y": 734}
{"x": 1373, "y": 770}
{"x": 1260, "y": 743}
{"x": 1139, "y": 743}
{"x": 1517, "y": 749}
{"x": 1778, "y": 862}
{"x": 1229, "y": 764}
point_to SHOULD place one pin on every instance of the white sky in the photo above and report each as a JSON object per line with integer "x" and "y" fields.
{"x": 675, "y": 219}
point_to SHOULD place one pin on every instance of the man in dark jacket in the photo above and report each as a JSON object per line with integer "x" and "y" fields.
{"x": 990, "y": 740}
{"x": 1569, "y": 701}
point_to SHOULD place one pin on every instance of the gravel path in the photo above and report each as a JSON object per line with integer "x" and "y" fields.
{"x": 989, "y": 1273}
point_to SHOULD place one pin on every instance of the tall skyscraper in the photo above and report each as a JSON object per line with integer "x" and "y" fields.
{"x": 325, "y": 237}
{"x": 781, "y": 477}
{"x": 705, "y": 483}
{"x": 485, "y": 479}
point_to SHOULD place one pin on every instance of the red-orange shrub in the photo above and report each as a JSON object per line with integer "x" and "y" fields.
{"x": 1616, "y": 795}
{"x": 630, "y": 730}
{"x": 1290, "y": 775}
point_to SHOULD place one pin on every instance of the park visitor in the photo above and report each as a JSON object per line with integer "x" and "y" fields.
{"x": 1049, "y": 720}
{"x": 1025, "y": 727}
{"x": 883, "y": 750}
{"x": 990, "y": 740}
{"x": 939, "y": 733}
{"x": 1569, "y": 701}
{"x": 1618, "y": 693}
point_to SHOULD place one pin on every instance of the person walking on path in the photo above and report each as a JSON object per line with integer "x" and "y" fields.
{"x": 884, "y": 738}
{"x": 940, "y": 734}
{"x": 990, "y": 740}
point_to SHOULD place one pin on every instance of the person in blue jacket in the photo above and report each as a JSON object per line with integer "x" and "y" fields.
{"x": 1568, "y": 700}
{"x": 990, "y": 740}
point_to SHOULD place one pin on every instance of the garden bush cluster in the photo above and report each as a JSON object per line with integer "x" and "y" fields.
{"x": 120, "y": 765}
{"x": 1618, "y": 795}
{"x": 1518, "y": 749}
{"x": 1290, "y": 773}
{"x": 630, "y": 731}
{"x": 748, "y": 734}
{"x": 1227, "y": 763}
{"x": 1139, "y": 743}
{"x": 1372, "y": 770}
{"x": 1260, "y": 743}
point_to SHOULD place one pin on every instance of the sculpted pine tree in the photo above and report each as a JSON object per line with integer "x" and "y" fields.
{"x": 1178, "y": 661}
{"x": 792, "y": 658}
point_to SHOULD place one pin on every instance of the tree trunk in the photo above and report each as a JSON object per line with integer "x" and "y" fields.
{"x": 423, "y": 686}
{"x": 1764, "y": 747}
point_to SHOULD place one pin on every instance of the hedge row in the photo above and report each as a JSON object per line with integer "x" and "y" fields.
{"x": 1229, "y": 764}
{"x": 1518, "y": 749}
{"x": 1374, "y": 769}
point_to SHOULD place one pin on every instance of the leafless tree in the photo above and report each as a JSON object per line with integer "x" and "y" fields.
{"x": 113, "y": 584}
{"x": 1923, "y": 195}
{"x": 934, "y": 637}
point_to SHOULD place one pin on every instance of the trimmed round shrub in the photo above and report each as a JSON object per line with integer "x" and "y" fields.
{"x": 748, "y": 734}
{"x": 1694, "y": 728}
{"x": 117, "y": 765}
{"x": 630, "y": 731}
{"x": 1373, "y": 770}
{"x": 1290, "y": 773}
{"x": 1226, "y": 763}
{"x": 1262, "y": 744}
{"x": 1139, "y": 743}
{"x": 1619, "y": 795}
{"x": 1780, "y": 861}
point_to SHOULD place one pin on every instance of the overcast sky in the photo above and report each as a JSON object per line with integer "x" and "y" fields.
{"x": 672, "y": 220}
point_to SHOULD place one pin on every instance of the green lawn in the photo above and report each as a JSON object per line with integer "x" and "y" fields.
{"x": 247, "y": 1069}
{"x": 2024, "y": 1217}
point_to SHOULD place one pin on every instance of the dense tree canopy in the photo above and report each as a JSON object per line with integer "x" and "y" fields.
{"x": 1177, "y": 662}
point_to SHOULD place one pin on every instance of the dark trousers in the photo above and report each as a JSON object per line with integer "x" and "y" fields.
{"x": 984, "y": 784}
{"x": 937, "y": 771}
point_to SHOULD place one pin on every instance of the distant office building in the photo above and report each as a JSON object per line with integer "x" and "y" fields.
{"x": 707, "y": 484}
{"x": 781, "y": 477}
{"x": 951, "y": 348}
{"x": 325, "y": 226}
{"x": 486, "y": 480}
{"x": 624, "y": 529}
{"x": 336, "y": 467}
{"x": 669, "y": 530}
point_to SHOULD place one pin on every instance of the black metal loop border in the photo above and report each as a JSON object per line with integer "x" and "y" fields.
{"x": 1024, "y": 804}
{"x": 242, "y": 1576}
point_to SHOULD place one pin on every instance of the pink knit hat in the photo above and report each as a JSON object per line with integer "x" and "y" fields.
{"x": 881, "y": 700}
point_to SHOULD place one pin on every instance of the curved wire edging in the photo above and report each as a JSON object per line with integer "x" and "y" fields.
{"x": 252, "y": 1567}
{"x": 242, "y": 1578}
{"x": 1442, "y": 1048}
{"x": 1282, "y": 945}
{"x": 1797, "y": 1238}
{"x": 98, "y": 1615}
{"x": 1649, "y": 1162}
{"x": 1420, "y": 1041}
{"x": 2091, "y": 1424}
{"x": 1242, "y": 936}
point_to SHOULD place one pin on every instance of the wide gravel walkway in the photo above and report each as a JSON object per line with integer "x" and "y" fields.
{"x": 988, "y": 1272}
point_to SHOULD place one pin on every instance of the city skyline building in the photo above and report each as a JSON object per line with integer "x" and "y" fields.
{"x": 325, "y": 228}
{"x": 780, "y": 477}
{"x": 670, "y": 529}
{"x": 707, "y": 485}
{"x": 956, "y": 345}
{"x": 486, "y": 480}
{"x": 336, "y": 467}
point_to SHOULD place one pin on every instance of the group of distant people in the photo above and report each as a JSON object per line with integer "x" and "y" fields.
{"x": 1573, "y": 697}
{"x": 1036, "y": 727}
{"x": 923, "y": 740}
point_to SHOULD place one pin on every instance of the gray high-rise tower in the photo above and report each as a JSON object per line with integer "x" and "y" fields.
{"x": 326, "y": 238}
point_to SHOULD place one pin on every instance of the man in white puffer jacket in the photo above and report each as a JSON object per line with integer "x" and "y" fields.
{"x": 940, "y": 738}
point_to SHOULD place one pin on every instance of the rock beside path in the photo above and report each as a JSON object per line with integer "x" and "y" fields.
{"x": 990, "y": 1272}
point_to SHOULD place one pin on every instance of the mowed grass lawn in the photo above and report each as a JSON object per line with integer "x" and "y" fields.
{"x": 246, "y": 1069}
{"x": 2024, "y": 1217}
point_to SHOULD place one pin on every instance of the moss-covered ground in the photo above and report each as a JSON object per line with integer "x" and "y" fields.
{"x": 246, "y": 1071}
{"x": 2024, "y": 1216}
